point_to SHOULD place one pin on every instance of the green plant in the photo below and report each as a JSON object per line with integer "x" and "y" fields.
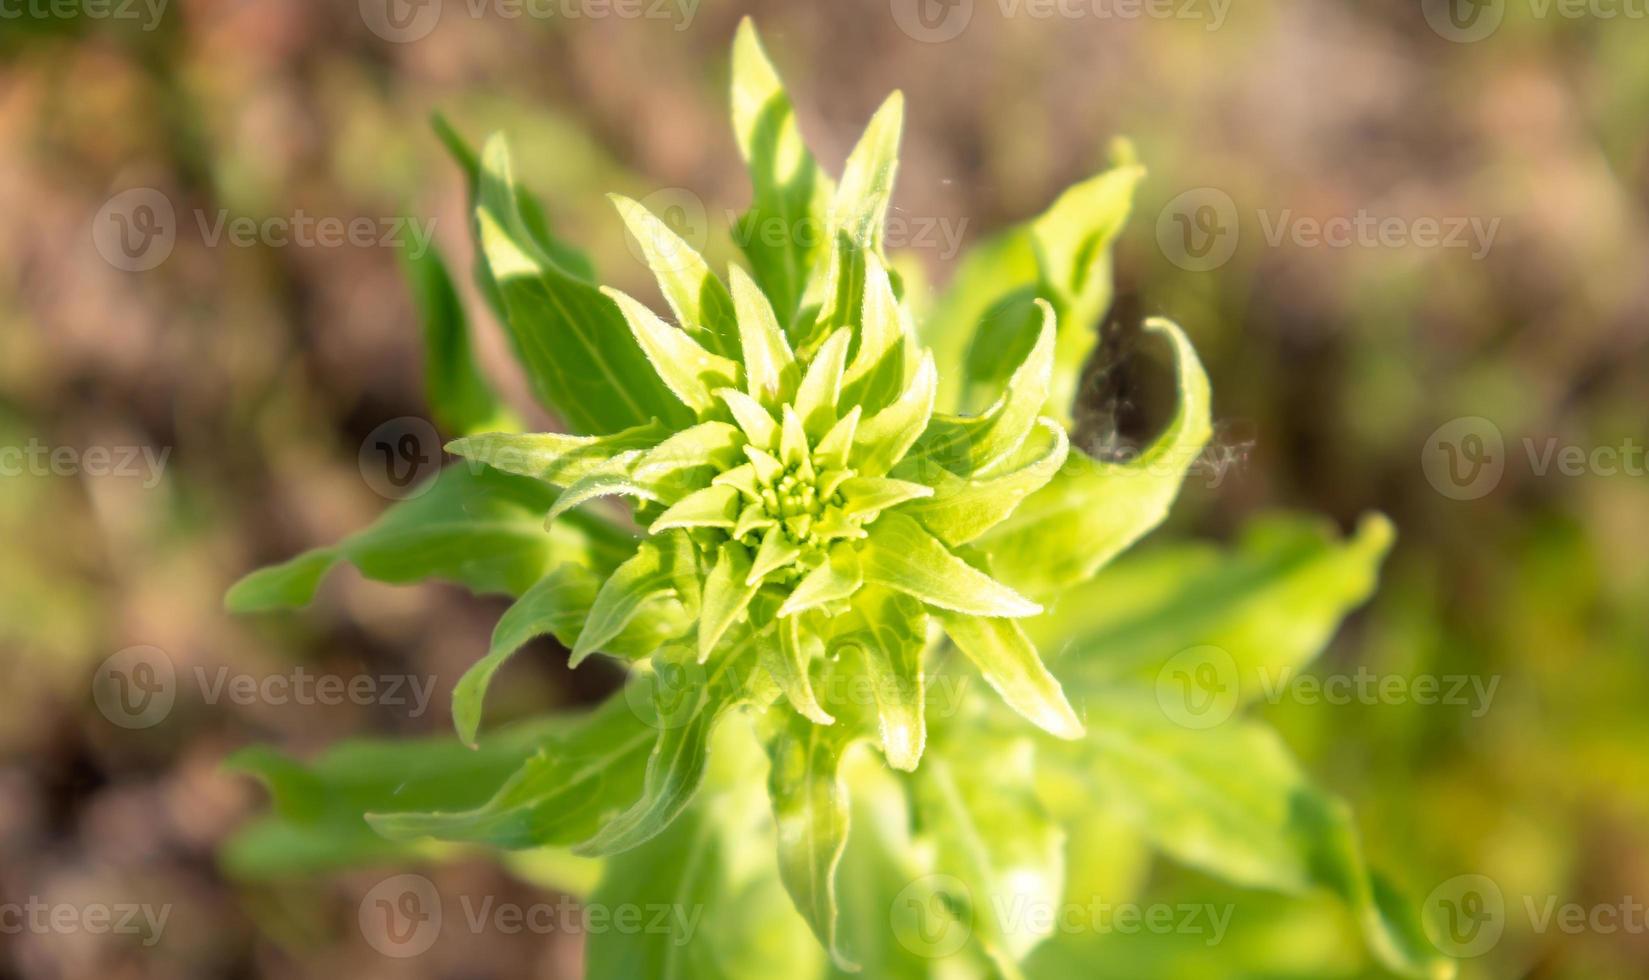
{"x": 839, "y": 522}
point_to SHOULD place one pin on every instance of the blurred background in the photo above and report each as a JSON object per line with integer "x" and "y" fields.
{"x": 1408, "y": 240}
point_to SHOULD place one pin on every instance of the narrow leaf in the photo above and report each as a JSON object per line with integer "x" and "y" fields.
{"x": 836, "y": 579}
{"x": 810, "y": 809}
{"x": 901, "y": 555}
{"x": 699, "y": 299}
{"x": 556, "y": 458}
{"x": 664, "y": 567}
{"x": 884, "y": 438}
{"x": 960, "y": 509}
{"x": 727, "y": 593}
{"x": 1010, "y": 664}
{"x": 784, "y": 231}
{"x": 770, "y": 371}
{"x": 688, "y": 370}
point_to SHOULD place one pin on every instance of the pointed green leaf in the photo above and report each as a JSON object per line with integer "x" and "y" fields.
{"x": 688, "y": 701}
{"x": 793, "y": 449}
{"x": 861, "y": 203}
{"x": 770, "y": 371}
{"x": 901, "y": 555}
{"x": 663, "y": 569}
{"x": 581, "y": 358}
{"x": 480, "y": 528}
{"x": 714, "y": 506}
{"x": 757, "y": 422}
{"x": 580, "y": 776}
{"x": 784, "y": 232}
{"x": 960, "y": 509}
{"x": 1073, "y": 241}
{"x": 822, "y": 385}
{"x": 777, "y": 550}
{"x": 835, "y": 449}
{"x": 713, "y": 444}
{"x": 1090, "y": 511}
{"x": 834, "y": 580}
{"x": 973, "y": 446}
{"x": 885, "y": 438}
{"x": 699, "y": 299}
{"x": 688, "y": 370}
{"x": 605, "y": 484}
{"x": 1011, "y": 665}
{"x": 978, "y": 327}
{"x": 556, "y": 605}
{"x": 727, "y": 593}
{"x": 318, "y": 826}
{"x": 556, "y": 458}
{"x": 869, "y": 495}
{"x": 873, "y": 377}
{"x": 533, "y": 220}
{"x": 889, "y": 630}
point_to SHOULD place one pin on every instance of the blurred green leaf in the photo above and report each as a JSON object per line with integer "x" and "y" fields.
{"x": 581, "y": 358}
{"x": 984, "y": 322}
{"x": 1270, "y": 603}
{"x": 320, "y": 808}
{"x": 585, "y": 771}
{"x": 1231, "y": 800}
{"x": 474, "y": 526}
{"x": 1091, "y": 510}
{"x": 459, "y": 396}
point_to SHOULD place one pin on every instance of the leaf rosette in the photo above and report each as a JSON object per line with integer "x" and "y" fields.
{"x": 784, "y": 496}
